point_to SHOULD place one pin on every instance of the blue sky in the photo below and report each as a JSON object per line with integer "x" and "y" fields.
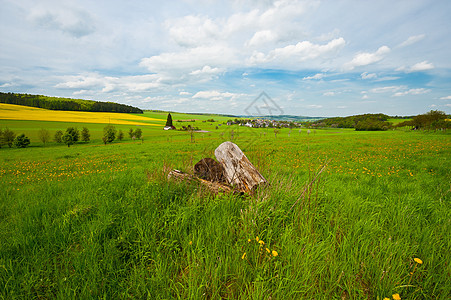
{"x": 313, "y": 58}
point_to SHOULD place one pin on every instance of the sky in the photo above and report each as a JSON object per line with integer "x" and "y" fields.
{"x": 307, "y": 58}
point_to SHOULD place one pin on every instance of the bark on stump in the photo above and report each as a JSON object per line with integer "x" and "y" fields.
{"x": 238, "y": 170}
{"x": 209, "y": 169}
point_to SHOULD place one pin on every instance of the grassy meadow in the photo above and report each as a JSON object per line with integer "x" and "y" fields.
{"x": 96, "y": 221}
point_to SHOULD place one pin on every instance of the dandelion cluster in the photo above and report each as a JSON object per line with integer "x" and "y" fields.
{"x": 26, "y": 172}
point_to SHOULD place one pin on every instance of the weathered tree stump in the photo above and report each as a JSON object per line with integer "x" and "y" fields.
{"x": 209, "y": 169}
{"x": 215, "y": 187}
{"x": 238, "y": 170}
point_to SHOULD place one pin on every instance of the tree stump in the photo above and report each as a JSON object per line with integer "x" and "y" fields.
{"x": 238, "y": 170}
{"x": 215, "y": 187}
{"x": 209, "y": 169}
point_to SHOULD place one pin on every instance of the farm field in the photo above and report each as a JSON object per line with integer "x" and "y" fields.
{"x": 96, "y": 221}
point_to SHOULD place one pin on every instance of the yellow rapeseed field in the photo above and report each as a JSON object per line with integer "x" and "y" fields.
{"x": 17, "y": 112}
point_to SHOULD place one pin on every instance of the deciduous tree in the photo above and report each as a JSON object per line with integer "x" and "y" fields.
{"x": 44, "y": 135}
{"x": 109, "y": 134}
{"x": 85, "y": 136}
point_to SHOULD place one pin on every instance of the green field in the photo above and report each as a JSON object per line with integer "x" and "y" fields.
{"x": 96, "y": 221}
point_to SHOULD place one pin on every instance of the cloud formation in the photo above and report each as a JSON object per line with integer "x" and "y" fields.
{"x": 367, "y": 58}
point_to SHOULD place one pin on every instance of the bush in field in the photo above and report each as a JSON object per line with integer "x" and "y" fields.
{"x": 109, "y": 134}
{"x": 44, "y": 135}
{"x": 120, "y": 135}
{"x": 71, "y": 136}
{"x": 85, "y": 135}
{"x": 138, "y": 133}
{"x": 7, "y": 137}
{"x": 58, "y": 136}
{"x": 21, "y": 141}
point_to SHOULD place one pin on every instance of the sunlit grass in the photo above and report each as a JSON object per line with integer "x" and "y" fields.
{"x": 95, "y": 221}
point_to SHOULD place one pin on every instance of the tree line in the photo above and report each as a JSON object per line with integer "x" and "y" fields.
{"x": 70, "y": 137}
{"x": 379, "y": 122}
{"x": 68, "y": 104}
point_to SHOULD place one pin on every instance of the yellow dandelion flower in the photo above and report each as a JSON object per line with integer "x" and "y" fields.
{"x": 386, "y": 298}
{"x": 190, "y": 242}
{"x": 261, "y": 242}
{"x": 267, "y": 250}
{"x": 396, "y": 297}
{"x": 274, "y": 253}
{"x": 244, "y": 255}
{"x": 257, "y": 239}
{"x": 417, "y": 260}
{"x": 248, "y": 240}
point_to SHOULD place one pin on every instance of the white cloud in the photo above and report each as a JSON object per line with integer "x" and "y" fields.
{"x": 317, "y": 76}
{"x": 364, "y": 97}
{"x": 207, "y": 70}
{"x": 299, "y": 52}
{"x": 262, "y": 37}
{"x": 193, "y": 31}
{"x": 412, "y": 40}
{"x": 190, "y": 60}
{"x": 61, "y": 17}
{"x": 418, "y": 67}
{"x": 366, "y": 75}
{"x": 412, "y": 92}
{"x": 184, "y": 93}
{"x": 329, "y": 94}
{"x": 446, "y": 98}
{"x": 366, "y": 58}
{"x": 216, "y": 95}
{"x": 388, "y": 89}
{"x": 421, "y": 66}
{"x": 314, "y": 106}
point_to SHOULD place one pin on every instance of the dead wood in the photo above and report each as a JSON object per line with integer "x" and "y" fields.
{"x": 215, "y": 187}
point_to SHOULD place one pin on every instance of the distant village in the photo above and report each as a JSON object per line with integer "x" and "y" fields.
{"x": 253, "y": 123}
{"x": 263, "y": 123}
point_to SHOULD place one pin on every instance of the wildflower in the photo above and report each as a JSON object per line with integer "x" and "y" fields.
{"x": 190, "y": 242}
{"x": 261, "y": 242}
{"x": 386, "y": 298}
{"x": 417, "y": 260}
{"x": 274, "y": 253}
{"x": 248, "y": 240}
{"x": 267, "y": 250}
{"x": 257, "y": 239}
{"x": 396, "y": 297}
{"x": 244, "y": 255}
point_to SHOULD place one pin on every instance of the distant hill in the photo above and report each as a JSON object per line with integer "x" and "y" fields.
{"x": 289, "y": 118}
{"x": 56, "y": 103}
{"x": 359, "y": 122}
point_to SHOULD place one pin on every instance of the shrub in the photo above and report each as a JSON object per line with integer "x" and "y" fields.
{"x": 71, "y": 136}
{"x": 120, "y": 135}
{"x": 44, "y": 135}
{"x": 21, "y": 141}
{"x": 85, "y": 136}
{"x": 7, "y": 138}
{"x": 109, "y": 134}
{"x": 58, "y": 136}
{"x": 138, "y": 133}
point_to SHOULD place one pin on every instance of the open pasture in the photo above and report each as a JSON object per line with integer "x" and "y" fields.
{"x": 95, "y": 221}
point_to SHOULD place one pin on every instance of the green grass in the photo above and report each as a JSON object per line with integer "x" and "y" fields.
{"x": 95, "y": 221}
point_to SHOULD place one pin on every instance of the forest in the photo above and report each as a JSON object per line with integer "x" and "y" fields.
{"x": 68, "y": 104}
